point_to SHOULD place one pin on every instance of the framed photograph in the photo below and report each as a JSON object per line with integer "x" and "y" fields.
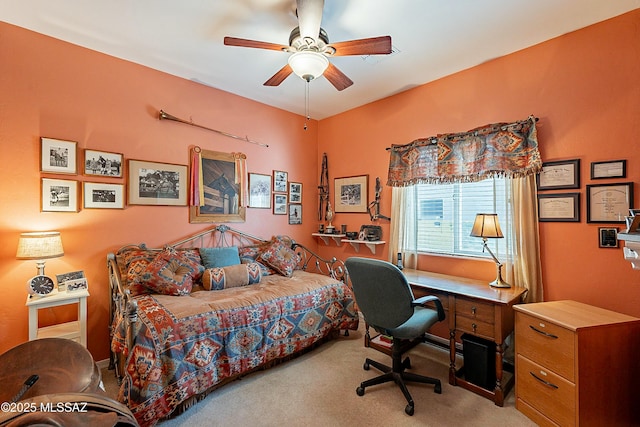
{"x": 295, "y": 192}
{"x": 559, "y": 175}
{"x": 280, "y": 179}
{"x": 103, "y": 196}
{"x": 102, "y": 163}
{"x": 63, "y": 278}
{"x": 279, "y": 204}
{"x": 223, "y": 189}
{"x": 610, "y": 169}
{"x": 59, "y": 195}
{"x": 58, "y": 156}
{"x": 559, "y": 207}
{"x": 76, "y": 284}
{"x": 350, "y": 194}
{"x": 259, "y": 191}
{"x": 160, "y": 184}
{"x": 295, "y": 213}
{"x": 609, "y": 202}
{"x": 608, "y": 237}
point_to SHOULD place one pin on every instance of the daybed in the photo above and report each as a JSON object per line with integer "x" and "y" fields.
{"x": 189, "y": 317}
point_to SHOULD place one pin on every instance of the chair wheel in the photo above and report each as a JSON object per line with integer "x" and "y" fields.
{"x": 409, "y": 410}
{"x": 360, "y": 391}
{"x": 437, "y": 389}
{"x": 366, "y": 366}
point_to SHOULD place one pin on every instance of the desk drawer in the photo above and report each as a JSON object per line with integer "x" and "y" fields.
{"x": 475, "y": 327}
{"x": 546, "y": 343}
{"x": 543, "y": 390}
{"x": 474, "y": 309}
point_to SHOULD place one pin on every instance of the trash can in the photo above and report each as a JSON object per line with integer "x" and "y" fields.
{"x": 479, "y": 361}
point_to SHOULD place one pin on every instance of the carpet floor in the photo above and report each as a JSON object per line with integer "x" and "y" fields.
{"x": 319, "y": 389}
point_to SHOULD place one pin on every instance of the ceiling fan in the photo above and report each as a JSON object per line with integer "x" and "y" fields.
{"x": 310, "y": 48}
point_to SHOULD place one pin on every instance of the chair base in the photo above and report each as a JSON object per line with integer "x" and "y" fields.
{"x": 400, "y": 377}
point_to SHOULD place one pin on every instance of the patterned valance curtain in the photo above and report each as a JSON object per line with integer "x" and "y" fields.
{"x": 499, "y": 149}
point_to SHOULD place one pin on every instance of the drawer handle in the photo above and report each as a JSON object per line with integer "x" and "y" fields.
{"x": 474, "y": 326}
{"x": 547, "y": 383}
{"x": 546, "y": 334}
{"x": 473, "y": 311}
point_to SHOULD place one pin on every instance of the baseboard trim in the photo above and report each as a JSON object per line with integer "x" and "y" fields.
{"x": 103, "y": 364}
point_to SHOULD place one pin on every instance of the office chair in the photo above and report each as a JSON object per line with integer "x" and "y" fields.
{"x": 385, "y": 299}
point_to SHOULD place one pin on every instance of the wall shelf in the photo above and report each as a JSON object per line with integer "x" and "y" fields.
{"x": 326, "y": 238}
{"x": 370, "y": 244}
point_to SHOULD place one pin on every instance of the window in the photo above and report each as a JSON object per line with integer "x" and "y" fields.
{"x": 445, "y": 215}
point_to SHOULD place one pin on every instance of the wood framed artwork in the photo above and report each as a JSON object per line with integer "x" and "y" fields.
{"x": 559, "y": 207}
{"x": 159, "y": 184}
{"x": 280, "y": 179}
{"x": 295, "y": 192}
{"x": 58, "y": 156}
{"x": 609, "y": 202}
{"x": 279, "y": 204}
{"x": 97, "y": 195}
{"x": 59, "y": 195}
{"x": 223, "y": 182}
{"x": 350, "y": 194}
{"x": 609, "y": 169}
{"x": 259, "y": 191}
{"x": 559, "y": 175}
{"x": 102, "y": 163}
{"x": 295, "y": 214}
{"x": 608, "y": 237}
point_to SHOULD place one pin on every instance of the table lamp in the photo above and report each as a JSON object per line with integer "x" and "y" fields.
{"x": 40, "y": 245}
{"x": 488, "y": 227}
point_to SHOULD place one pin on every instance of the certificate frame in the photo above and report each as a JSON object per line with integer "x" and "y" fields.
{"x": 609, "y": 203}
{"x": 559, "y": 207}
{"x": 559, "y": 175}
{"x": 609, "y": 169}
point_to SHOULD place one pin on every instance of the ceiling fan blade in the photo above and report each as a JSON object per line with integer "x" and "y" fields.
{"x": 233, "y": 41}
{"x": 279, "y": 77}
{"x": 371, "y": 46}
{"x": 337, "y": 78}
{"x": 309, "y": 17}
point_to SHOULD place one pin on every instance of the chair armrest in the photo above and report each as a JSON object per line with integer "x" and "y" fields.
{"x": 429, "y": 298}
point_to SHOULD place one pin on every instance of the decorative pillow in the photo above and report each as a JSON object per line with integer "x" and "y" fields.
{"x": 280, "y": 257}
{"x": 169, "y": 274}
{"x": 131, "y": 264}
{"x": 192, "y": 257}
{"x": 249, "y": 254}
{"x": 219, "y": 257}
{"x": 216, "y": 279}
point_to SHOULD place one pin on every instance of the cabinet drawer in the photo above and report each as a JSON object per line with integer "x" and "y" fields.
{"x": 475, "y": 327}
{"x": 545, "y": 391}
{"x": 474, "y": 309}
{"x": 546, "y": 344}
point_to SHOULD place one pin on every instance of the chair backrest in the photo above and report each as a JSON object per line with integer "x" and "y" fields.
{"x": 382, "y": 292}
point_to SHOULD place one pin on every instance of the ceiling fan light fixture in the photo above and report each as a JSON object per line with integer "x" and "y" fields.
{"x": 308, "y": 65}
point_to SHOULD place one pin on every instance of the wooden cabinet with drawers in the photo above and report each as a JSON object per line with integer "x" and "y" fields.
{"x": 576, "y": 365}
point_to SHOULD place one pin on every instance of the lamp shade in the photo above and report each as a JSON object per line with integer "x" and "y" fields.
{"x": 487, "y": 226}
{"x": 40, "y": 245}
{"x": 308, "y": 65}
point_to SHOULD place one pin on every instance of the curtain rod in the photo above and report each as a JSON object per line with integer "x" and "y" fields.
{"x": 434, "y": 139}
{"x": 167, "y": 116}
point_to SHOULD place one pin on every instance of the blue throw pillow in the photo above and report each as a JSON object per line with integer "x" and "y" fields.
{"x": 219, "y": 257}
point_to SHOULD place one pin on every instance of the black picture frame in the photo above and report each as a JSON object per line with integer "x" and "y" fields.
{"x": 608, "y": 237}
{"x": 609, "y": 203}
{"x": 559, "y": 175}
{"x": 609, "y": 169}
{"x": 559, "y": 207}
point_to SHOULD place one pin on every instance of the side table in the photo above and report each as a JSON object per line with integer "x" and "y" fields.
{"x": 75, "y": 330}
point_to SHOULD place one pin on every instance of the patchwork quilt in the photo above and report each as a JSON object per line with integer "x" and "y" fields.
{"x": 186, "y": 344}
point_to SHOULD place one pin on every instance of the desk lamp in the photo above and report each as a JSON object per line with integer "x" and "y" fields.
{"x": 40, "y": 246}
{"x": 488, "y": 227}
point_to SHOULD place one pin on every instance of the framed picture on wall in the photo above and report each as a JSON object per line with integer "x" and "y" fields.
{"x": 279, "y": 204}
{"x": 100, "y": 195}
{"x": 280, "y": 179}
{"x": 608, "y": 237}
{"x": 59, "y": 195}
{"x": 259, "y": 191}
{"x": 609, "y": 169}
{"x": 350, "y": 194}
{"x": 160, "y": 184}
{"x": 295, "y": 213}
{"x": 103, "y": 163}
{"x": 295, "y": 192}
{"x": 559, "y": 207}
{"x": 58, "y": 156}
{"x": 559, "y": 175}
{"x": 609, "y": 202}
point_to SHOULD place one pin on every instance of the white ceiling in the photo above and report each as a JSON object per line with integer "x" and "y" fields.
{"x": 431, "y": 39}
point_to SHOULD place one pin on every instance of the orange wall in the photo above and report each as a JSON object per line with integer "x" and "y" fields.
{"x": 54, "y": 89}
{"x": 584, "y": 87}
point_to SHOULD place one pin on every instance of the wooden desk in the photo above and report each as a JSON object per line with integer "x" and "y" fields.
{"x": 475, "y": 308}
